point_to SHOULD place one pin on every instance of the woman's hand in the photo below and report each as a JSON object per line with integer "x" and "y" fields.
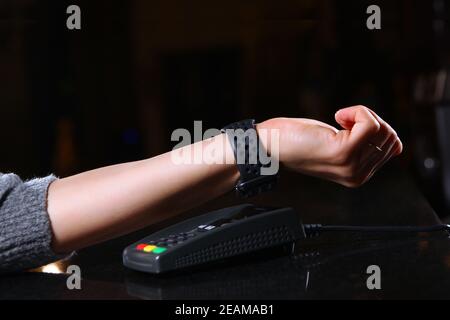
{"x": 349, "y": 156}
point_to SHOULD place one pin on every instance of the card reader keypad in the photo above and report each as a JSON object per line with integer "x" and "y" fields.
{"x": 162, "y": 244}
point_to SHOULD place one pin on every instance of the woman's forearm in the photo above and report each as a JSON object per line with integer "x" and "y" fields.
{"x": 101, "y": 204}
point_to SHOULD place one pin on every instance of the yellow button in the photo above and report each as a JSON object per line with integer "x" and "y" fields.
{"x": 149, "y": 248}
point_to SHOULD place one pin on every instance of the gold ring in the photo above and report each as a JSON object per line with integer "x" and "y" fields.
{"x": 376, "y": 147}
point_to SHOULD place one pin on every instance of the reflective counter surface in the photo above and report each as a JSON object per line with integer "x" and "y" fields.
{"x": 333, "y": 266}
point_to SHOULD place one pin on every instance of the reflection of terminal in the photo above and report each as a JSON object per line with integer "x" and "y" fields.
{"x": 285, "y": 277}
{"x": 275, "y": 279}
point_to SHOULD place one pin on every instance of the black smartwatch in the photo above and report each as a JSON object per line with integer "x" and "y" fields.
{"x": 247, "y": 148}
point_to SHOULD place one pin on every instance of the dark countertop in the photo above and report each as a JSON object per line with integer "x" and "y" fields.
{"x": 333, "y": 266}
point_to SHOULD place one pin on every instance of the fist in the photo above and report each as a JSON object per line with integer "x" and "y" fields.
{"x": 348, "y": 156}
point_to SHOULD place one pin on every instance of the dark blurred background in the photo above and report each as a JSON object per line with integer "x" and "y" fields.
{"x": 114, "y": 90}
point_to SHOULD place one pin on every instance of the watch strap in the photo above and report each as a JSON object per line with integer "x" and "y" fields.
{"x": 246, "y": 151}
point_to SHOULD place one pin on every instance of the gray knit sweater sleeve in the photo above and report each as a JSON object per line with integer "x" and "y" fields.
{"x": 25, "y": 233}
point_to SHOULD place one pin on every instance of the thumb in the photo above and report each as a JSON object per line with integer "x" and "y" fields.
{"x": 359, "y": 123}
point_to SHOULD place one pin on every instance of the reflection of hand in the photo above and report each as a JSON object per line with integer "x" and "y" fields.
{"x": 349, "y": 156}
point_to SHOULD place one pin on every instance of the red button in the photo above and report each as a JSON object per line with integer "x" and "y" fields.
{"x": 141, "y": 246}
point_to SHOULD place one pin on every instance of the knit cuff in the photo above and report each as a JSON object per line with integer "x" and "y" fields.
{"x": 25, "y": 230}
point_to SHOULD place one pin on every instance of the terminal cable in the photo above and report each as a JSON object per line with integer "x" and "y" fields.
{"x": 314, "y": 230}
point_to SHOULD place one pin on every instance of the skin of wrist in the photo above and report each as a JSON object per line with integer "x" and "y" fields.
{"x": 263, "y": 138}
{"x": 264, "y": 133}
{"x": 225, "y": 156}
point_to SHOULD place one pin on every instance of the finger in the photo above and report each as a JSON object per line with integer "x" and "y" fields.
{"x": 399, "y": 150}
{"x": 370, "y": 163}
{"x": 384, "y": 133}
{"x": 385, "y": 147}
{"x": 374, "y": 158}
{"x": 394, "y": 150}
{"x": 381, "y": 121}
{"x": 359, "y": 124}
{"x": 394, "y": 147}
{"x": 381, "y": 140}
{"x": 387, "y": 153}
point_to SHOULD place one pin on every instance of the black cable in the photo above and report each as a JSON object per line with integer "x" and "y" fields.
{"x": 313, "y": 230}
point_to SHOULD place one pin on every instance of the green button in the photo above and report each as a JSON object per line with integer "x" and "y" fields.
{"x": 159, "y": 250}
